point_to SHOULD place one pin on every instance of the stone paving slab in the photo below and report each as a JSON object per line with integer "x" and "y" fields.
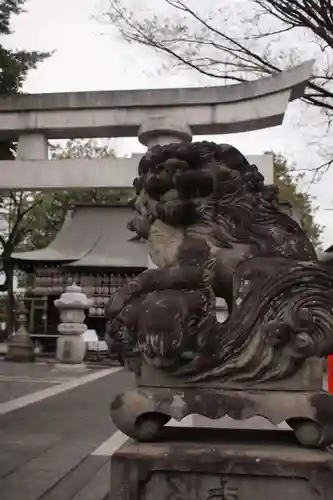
{"x": 74, "y": 484}
{"x": 99, "y": 484}
{"x": 38, "y": 370}
{"x": 11, "y": 389}
{"x": 20, "y": 379}
{"x": 45, "y": 447}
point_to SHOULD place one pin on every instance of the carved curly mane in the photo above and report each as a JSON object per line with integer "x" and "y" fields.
{"x": 234, "y": 200}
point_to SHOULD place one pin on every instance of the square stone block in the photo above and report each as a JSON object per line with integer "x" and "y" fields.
{"x": 214, "y": 464}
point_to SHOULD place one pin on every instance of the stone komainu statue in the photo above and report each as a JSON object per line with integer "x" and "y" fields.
{"x": 216, "y": 230}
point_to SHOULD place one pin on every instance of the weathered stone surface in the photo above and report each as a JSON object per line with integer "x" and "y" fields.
{"x": 216, "y": 230}
{"x": 208, "y": 110}
{"x": 94, "y": 173}
{"x": 142, "y": 412}
{"x": 71, "y": 349}
{"x": 32, "y": 147}
{"x": 188, "y": 465}
{"x": 162, "y": 131}
{"x": 308, "y": 378}
{"x": 21, "y": 347}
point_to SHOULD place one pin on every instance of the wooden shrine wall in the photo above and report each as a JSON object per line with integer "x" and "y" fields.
{"x": 98, "y": 286}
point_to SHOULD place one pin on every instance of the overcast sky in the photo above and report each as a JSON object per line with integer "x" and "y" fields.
{"x": 90, "y": 56}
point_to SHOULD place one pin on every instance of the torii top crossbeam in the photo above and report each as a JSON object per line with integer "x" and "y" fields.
{"x": 209, "y": 110}
{"x": 159, "y": 116}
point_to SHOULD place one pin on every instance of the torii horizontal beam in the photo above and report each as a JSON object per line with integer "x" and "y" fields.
{"x": 209, "y": 110}
{"x": 57, "y": 175}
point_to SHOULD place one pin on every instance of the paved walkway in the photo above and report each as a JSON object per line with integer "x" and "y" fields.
{"x": 20, "y": 379}
{"x": 47, "y": 444}
{"x": 56, "y": 436}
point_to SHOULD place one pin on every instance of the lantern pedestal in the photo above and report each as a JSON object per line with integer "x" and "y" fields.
{"x": 20, "y": 348}
{"x": 71, "y": 369}
{"x": 71, "y": 349}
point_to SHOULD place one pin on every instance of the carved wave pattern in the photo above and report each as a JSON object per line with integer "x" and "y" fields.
{"x": 274, "y": 329}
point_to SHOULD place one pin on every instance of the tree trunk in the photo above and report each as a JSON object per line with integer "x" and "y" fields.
{"x": 10, "y": 303}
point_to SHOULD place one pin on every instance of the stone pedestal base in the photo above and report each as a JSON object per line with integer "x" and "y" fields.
{"x": 221, "y": 465}
{"x": 71, "y": 349}
{"x": 70, "y": 368}
{"x": 141, "y": 413}
{"x": 20, "y": 349}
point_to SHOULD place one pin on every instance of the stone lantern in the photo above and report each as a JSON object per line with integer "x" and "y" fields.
{"x": 72, "y": 306}
{"x": 21, "y": 347}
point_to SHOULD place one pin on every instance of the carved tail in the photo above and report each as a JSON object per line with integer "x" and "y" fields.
{"x": 282, "y": 314}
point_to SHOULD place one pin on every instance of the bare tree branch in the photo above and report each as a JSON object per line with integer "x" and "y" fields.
{"x": 207, "y": 43}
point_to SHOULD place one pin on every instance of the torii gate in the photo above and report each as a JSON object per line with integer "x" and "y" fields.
{"x": 157, "y": 116}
